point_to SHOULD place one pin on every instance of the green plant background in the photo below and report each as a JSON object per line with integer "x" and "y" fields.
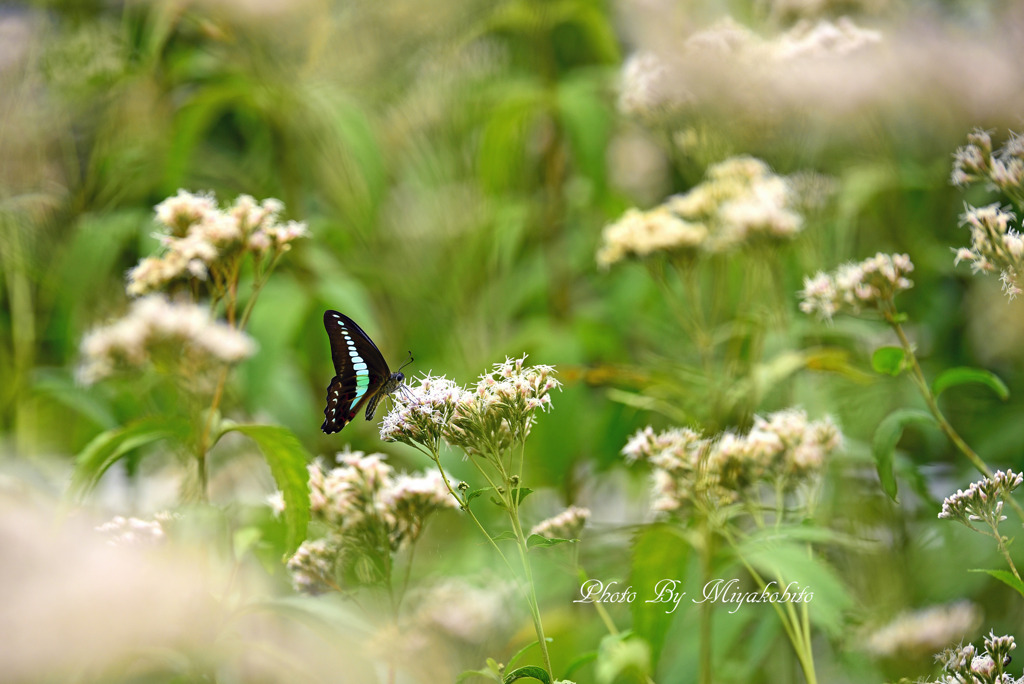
{"x": 453, "y": 162}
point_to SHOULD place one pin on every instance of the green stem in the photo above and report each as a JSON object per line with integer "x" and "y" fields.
{"x": 1003, "y": 550}
{"x": 531, "y": 589}
{"x": 917, "y": 376}
{"x": 704, "y": 668}
{"x": 798, "y": 629}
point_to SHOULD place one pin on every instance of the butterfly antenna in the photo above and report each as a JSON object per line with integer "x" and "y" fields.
{"x": 411, "y": 359}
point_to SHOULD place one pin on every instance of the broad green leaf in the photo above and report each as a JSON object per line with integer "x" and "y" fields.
{"x": 1006, "y": 578}
{"x": 108, "y": 447}
{"x": 964, "y": 375}
{"x": 531, "y": 671}
{"x": 504, "y": 536}
{"x": 287, "y": 459}
{"x": 784, "y": 563}
{"x": 535, "y": 540}
{"x": 887, "y": 436}
{"x": 658, "y": 552}
{"x": 889, "y": 360}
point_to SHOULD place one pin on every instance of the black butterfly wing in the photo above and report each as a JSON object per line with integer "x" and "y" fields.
{"x": 360, "y": 369}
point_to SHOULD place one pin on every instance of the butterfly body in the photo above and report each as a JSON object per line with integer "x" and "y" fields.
{"x": 362, "y": 377}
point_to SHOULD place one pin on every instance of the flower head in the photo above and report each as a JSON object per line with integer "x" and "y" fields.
{"x": 983, "y": 500}
{"x": 370, "y": 511}
{"x": 201, "y": 242}
{"x": 995, "y": 245}
{"x": 566, "y": 525}
{"x": 740, "y": 202}
{"x": 689, "y": 468}
{"x": 422, "y": 411}
{"x": 925, "y": 631}
{"x": 156, "y": 326}
{"x": 130, "y": 531}
{"x": 852, "y": 288}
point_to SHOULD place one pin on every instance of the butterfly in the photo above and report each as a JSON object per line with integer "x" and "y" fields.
{"x": 362, "y": 375}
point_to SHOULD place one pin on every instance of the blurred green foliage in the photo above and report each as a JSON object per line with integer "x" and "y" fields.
{"x": 455, "y": 164}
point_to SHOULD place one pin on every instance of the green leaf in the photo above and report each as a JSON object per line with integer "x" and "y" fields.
{"x": 544, "y": 542}
{"x": 887, "y": 436}
{"x": 658, "y": 552}
{"x": 964, "y": 375}
{"x": 477, "y": 492}
{"x": 491, "y": 672}
{"x": 521, "y": 652}
{"x": 287, "y": 459}
{"x": 504, "y": 536}
{"x": 889, "y": 360}
{"x": 108, "y": 447}
{"x": 1006, "y": 578}
{"x": 531, "y": 671}
{"x": 784, "y": 562}
{"x": 521, "y": 493}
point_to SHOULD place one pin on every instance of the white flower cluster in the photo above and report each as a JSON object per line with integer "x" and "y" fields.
{"x": 870, "y": 284}
{"x": 923, "y": 632}
{"x": 153, "y": 326}
{"x": 367, "y": 508}
{"x": 963, "y": 664}
{"x": 740, "y": 202}
{"x": 983, "y": 500}
{"x": 994, "y": 245}
{"x": 312, "y": 566}
{"x": 467, "y": 611}
{"x": 1002, "y": 169}
{"x": 422, "y": 412}
{"x": 654, "y": 84}
{"x": 201, "y": 240}
{"x": 121, "y": 531}
{"x": 784, "y": 447}
{"x": 566, "y": 525}
{"x": 488, "y": 419}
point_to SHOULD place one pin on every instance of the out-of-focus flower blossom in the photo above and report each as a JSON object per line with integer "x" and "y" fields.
{"x": 154, "y": 325}
{"x": 870, "y": 284}
{"x": 130, "y": 531}
{"x": 740, "y": 202}
{"x": 202, "y": 241}
{"x": 784, "y": 447}
{"x": 369, "y": 511}
{"x": 566, "y": 525}
{"x": 924, "y": 631}
{"x": 312, "y": 566}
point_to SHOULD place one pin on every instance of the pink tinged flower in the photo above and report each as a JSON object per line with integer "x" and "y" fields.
{"x": 184, "y": 209}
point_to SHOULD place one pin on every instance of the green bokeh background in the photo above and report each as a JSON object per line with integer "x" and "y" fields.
{"x": 455, "y": 165}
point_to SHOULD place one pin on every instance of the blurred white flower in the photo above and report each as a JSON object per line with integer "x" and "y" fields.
{"x": 566, "y": 525}
{"x": 202, "y": 239}
{"x": 127, "y": 531}
{"x": 924, "y": 631}
{"x": 177, "y": 329}
{"x": 740, "y": 202}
